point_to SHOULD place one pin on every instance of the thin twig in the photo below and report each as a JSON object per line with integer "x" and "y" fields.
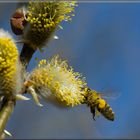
{"x": 5, "y": 113}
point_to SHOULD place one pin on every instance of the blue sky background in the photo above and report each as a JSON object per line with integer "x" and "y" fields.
{"x": 103, "y": 43}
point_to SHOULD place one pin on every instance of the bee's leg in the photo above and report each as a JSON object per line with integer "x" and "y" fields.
{"x": 92, "y": 109}
{"x": 94, "y": 118}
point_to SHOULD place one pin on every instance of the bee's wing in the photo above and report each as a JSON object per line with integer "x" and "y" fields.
{"x": 110, "y": 94}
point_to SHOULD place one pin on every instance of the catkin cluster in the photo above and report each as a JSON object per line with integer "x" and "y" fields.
{"x": 54, "y": 80}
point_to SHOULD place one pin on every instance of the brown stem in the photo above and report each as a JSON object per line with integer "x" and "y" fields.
{"x": 26, "y": 54}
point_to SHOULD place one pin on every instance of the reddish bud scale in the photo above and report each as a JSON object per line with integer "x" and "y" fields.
{"x": 18, "y": 22}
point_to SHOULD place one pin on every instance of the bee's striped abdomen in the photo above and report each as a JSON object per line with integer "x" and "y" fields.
{"x": 107, "y": 112}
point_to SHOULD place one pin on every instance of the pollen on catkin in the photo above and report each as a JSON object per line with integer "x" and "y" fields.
{"x": 9, "y": 65}
{"x": 43, "y": 18}
{"x": 55, "y": 79}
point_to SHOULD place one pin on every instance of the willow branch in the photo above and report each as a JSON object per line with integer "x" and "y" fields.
{"x": 5, "y": 113}
{"x": 8, "y": 106}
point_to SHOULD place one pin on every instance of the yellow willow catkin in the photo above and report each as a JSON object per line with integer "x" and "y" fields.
{"x": 9, "y": 65}
{"x": 43, "y": 18}
{"x": 55, "y": 79}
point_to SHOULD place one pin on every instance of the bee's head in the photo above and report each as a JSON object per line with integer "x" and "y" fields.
{"x": 95, "y": 98}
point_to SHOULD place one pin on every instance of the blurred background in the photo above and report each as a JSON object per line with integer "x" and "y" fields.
{"x": 103, "y": 43}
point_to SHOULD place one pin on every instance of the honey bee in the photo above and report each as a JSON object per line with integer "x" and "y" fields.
{"x": 99, "y": 105}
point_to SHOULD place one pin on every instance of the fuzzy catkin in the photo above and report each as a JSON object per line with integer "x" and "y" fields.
{"x": 9, "y": 65}
{"x": 43, "y": 18}
{"x": 55, "y": 79}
